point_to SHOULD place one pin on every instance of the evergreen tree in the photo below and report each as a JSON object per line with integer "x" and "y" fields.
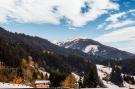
{"x": 116, "y": 77}
{"x": 89, "y": 80}
{"x": 132, "y": 79}
{"x": 56, "y": 78}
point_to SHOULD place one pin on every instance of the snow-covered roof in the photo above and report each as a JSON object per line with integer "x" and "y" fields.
{"x": 42, "y": 81}
{"x": 44, "y": 72}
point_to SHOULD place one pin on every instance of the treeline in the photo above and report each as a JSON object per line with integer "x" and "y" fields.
{"x": 85, "y": 81}
{"x": 118, "y": 78}
{"x": 128, "y": 65}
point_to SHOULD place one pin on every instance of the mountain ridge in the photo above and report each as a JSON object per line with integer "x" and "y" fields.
{"x": 95, "y": 48}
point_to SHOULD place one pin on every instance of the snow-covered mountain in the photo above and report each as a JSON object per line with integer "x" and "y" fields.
{"x": 95, "y": 48}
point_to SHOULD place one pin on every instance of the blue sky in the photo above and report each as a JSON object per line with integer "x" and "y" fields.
{"x": 111, "y": 22}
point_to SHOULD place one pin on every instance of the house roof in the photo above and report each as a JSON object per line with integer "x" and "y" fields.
{"x": 42, "y": 81}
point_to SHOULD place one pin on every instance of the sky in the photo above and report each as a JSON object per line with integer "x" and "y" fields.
{"x": 111, "y": 22}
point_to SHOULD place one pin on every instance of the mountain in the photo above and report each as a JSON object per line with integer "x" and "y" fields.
{"x": 23, "y": 45}
{"x": 58, "y": 61}
{"x": 38, "y": 43}
{"x": 102, "y": 54}
{"x": 96, "y": 49}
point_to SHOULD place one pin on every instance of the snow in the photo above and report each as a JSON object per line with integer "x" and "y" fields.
{"x": 104, "y": 51}
{"x": 10, "y": 85}
{"x": 104, "y": 68}
{"x": 92, "y": 48}
{"x": 103, "y": 71}
{"x": 73, "y": 40}
{"x": 77, "y": 77}
{"x": 42, "y": 81}
{"x": 55, "y": 41}
{"x": 44, "y": 72}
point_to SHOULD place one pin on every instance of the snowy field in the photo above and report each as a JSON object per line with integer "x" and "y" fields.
{"x": 103, "y": 71}
{"x": 9, "y": 85}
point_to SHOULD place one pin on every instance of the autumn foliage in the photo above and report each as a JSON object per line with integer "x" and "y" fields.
{"x": 69, "y": 81}
{"x": 18, "y": 80}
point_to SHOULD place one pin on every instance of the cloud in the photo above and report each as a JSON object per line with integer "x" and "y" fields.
{"x": 115, "y": 25}
{"x": 126, "y": 35}
{"x": 118, "y": 20}
{"x": 52, "y": 11}
{"x": 115, "y": 17}
{"x": 129, "y": 48}
{"x": 5, "y": 8}
{"x": 72, "y": 28}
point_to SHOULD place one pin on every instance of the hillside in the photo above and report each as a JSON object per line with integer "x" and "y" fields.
{"x": 102, "y": 54}
{"x": 16, "y": 48}
{"x": 104, "y": 71}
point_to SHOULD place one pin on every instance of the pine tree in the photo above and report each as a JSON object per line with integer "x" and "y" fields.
{"x": 56, "y": 78}
{"x": 132, "y": 79}
{"x": 89, "y": 80}
{"x": 116, "y": 77}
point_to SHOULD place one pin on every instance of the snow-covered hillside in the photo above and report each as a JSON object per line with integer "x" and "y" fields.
{"x": 104, "y": 71}
{"x": 9, "y": 85}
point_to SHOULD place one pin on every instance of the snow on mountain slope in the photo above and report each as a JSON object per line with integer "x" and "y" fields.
{"x": 91, "y": 48}
{"x": 9, "y": 85}
{"x": 103, "y": 71}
